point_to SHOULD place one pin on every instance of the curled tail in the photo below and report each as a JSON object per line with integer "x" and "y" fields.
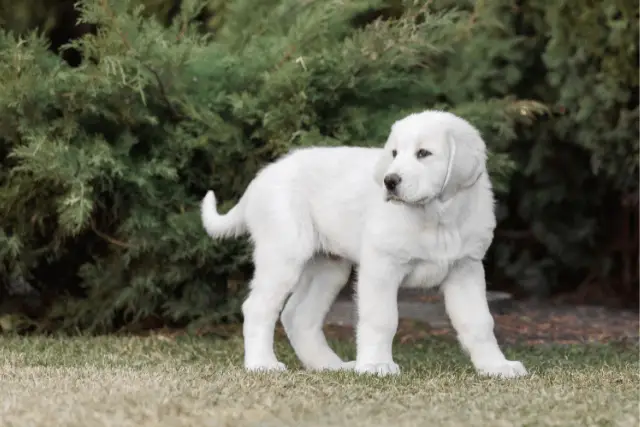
{"x": 230, "y": 224}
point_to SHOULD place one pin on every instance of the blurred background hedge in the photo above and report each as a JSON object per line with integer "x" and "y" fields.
{"x": 112, "y": 127}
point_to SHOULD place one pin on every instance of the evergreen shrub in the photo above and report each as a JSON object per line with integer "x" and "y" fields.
{"x": 103, "y": 162}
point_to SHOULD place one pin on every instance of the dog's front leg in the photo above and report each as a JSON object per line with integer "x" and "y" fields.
{"x": 466, "y": 304}
{"x": 379, "y": 278}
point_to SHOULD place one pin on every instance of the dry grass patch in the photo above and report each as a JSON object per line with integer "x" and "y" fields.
{"x": 155, "y": 381}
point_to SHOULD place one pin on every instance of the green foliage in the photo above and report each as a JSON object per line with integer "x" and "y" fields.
{"x": 572, "y": 213}
{"x": 103, "y": 165}
{"x": 49, "y": 16}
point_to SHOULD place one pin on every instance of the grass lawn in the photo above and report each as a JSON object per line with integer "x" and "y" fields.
{"x": 198, "y": 381}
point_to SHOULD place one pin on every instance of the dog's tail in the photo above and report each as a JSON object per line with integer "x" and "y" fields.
{"x": 230, "y": 224}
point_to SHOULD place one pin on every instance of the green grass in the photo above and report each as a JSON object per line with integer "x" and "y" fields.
{"x": 154, "y": 381}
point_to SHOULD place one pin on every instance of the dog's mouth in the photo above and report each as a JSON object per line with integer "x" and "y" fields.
{"x": 394, "y": 198}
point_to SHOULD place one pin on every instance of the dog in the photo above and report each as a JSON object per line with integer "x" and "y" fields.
{"x": 418, "y": 212}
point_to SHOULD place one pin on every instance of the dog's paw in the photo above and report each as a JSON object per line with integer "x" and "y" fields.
{"x": 380, "y": 369}
{"x": 503, "y": 369}
{"x": 266, "y": 367}
{"x": 348, "y": 366}
{"x": 337, "y": 365}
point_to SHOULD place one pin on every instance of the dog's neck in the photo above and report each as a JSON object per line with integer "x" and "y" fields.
{"x": 437, "y": 210}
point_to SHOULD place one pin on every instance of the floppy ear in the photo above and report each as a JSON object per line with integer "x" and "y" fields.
{"x": 381, "y": 167}
{"x": 466, "y": 163}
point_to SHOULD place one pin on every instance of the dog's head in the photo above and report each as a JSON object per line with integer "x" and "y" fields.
{"x": 430, "y": 155}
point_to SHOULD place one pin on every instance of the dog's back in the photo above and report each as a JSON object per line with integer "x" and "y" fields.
{"x": 323, "y": 191}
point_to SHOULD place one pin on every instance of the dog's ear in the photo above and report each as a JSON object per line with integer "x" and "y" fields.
{"x": 466, "y": 162}
{"x": 381, "y": 166}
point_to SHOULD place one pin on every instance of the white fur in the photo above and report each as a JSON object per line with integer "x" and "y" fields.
{"x": 317, "y": 212}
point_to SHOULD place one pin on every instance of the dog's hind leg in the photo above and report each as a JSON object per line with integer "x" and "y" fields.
{"x": 274, "y": 278}
{"x": 304, "y": 313}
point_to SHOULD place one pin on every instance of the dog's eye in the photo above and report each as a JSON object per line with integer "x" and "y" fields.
{"x": 394, "y": 153}
{"x": 422, "y": 153}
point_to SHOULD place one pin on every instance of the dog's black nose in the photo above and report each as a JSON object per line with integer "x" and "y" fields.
{"x": 391, "y": 181}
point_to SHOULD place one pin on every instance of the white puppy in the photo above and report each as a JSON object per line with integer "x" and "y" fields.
{"x": 419, "y": 212}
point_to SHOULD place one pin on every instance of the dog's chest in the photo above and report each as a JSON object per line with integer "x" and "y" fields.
{"x": 434, "y": 253}
{"x": 441, "y": 245}
{"x": 426, "y": 275}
